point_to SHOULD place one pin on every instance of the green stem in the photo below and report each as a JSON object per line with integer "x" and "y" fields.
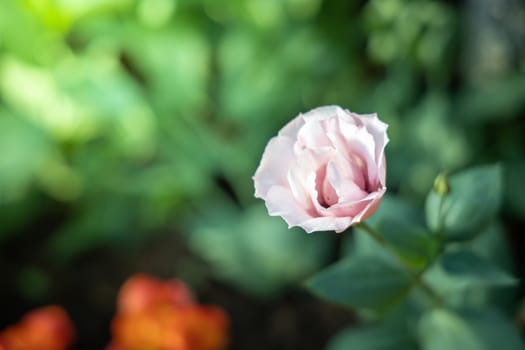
{"x": 417, "y": 278}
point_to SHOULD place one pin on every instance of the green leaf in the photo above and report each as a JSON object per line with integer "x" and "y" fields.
{"x": 475, "y": 270}
{"x": 495, "y": 330}
{"x": 441, "y": 329}
{"x": 515, "y": 191}
{"x": 361, "y": 281}
{"x": 466, "y": 288}
{"x": 402, "y": 226}
{"x": 481, "y": 329}
{"x": 377, "y": 337}
{"x": 473, "y": 201}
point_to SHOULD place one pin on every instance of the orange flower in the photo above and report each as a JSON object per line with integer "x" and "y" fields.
{"x": 206, "y": 328}
{"x": 3, "y": 346}
{"x": 156, "y": 315}
{"x": 46, "y": 328}
{"x": 141, "y": 291}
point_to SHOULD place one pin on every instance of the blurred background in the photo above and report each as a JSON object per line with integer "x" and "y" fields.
{"x": 130, "y": 129}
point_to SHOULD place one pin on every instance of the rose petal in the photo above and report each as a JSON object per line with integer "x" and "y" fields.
{"x": 371, "y": 207}
{"x": 280, "y": 202}
{"x": 348, "y": 184}
{"x": 292, "y": 128}
{"x": 351, "y": 208}
{"x": 306, "y": 164}
{"x": 378, "y": 130}
{"x": 326, "y": 224}
{"x": 360, "y": 142}
{"x": 273, "y": 169}
{"x": 326, "y": 194}
{"x": 322, "y": 113}
{"x": 313, "y": 136}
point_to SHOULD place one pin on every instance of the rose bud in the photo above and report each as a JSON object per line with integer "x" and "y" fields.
{"x": 325, "y": 170}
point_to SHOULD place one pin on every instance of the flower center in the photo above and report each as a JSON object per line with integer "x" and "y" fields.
{"x": 326, "y": 194}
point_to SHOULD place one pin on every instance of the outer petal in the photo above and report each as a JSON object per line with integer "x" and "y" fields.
{"x": 275, "y": 162}
{"x": 326, "y": 224}
{"x": 371, "y": 207}
{"x": 281, "y": 202}
{"x": 313, "y": 136}
{"x": 352, "y": 209}
{"x": 322, "y": 113}
{"x": 382, "y": 171}
{"x": 292, "y": 128}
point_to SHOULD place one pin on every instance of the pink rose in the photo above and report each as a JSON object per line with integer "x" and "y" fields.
{"x": 325, "y": 170}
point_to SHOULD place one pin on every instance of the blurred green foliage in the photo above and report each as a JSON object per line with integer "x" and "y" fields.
{"x": 140, "y": 116}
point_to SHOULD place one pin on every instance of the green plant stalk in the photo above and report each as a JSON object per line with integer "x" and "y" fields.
{"x": 418, "y": 280}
